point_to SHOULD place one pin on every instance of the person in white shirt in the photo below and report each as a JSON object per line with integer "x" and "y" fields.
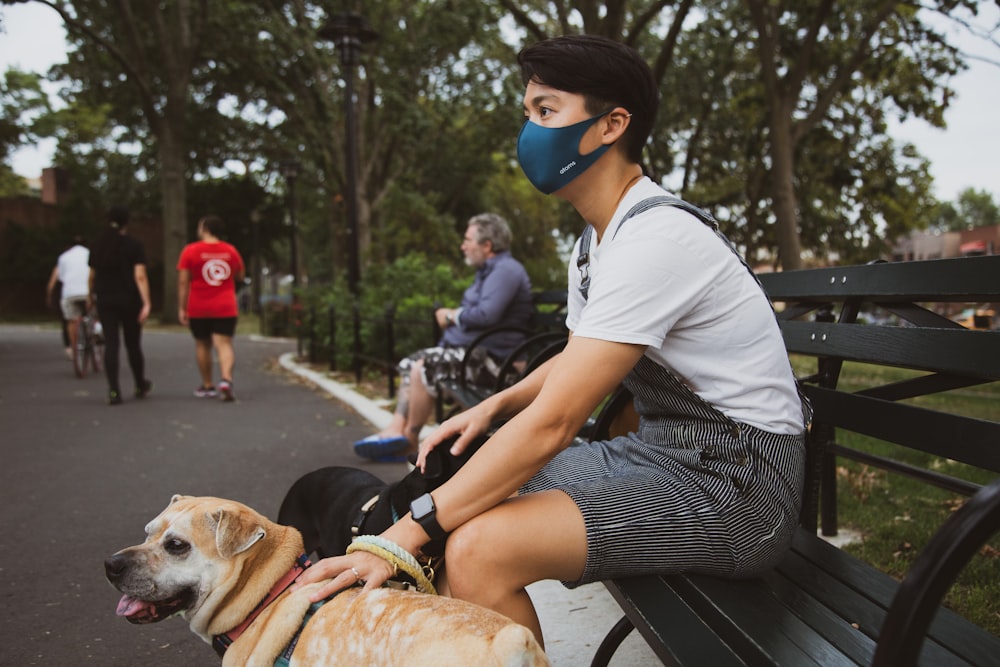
{"x": 711, "y": 479}
{"x": 73, "y": 271}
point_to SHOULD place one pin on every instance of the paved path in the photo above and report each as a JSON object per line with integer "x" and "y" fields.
{"x": 79, "y": 480}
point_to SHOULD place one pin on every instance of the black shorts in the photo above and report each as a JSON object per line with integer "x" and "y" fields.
{"x": 202, "y": 328}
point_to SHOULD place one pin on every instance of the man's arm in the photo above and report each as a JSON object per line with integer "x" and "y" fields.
{"x": 142, "y": 282}
{"x": 183, "y": 287}
{"x": 53, "y": 279}
{"x": 90, "y": 289}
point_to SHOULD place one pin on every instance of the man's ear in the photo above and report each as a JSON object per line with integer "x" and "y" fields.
{"x": 615, "y": 124}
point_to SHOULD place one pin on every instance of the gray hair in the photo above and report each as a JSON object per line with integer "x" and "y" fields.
{"x": 493, "y": 228}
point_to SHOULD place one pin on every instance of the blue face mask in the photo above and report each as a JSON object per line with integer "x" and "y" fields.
{"x": 550, "y": 156}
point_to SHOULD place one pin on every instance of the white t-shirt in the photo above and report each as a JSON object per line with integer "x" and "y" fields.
{"x": 665, "y": 280}
{"x": 74, "y": 271}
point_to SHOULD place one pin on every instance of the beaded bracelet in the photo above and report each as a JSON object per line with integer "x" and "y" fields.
{"x": 400, "y": 558}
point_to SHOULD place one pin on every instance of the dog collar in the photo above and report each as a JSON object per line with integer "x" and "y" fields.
{"x": 222, "y": 642}
{"x": 358, "y": 525}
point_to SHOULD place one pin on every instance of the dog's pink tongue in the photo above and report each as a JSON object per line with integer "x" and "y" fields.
{"x": 131, "y": 607}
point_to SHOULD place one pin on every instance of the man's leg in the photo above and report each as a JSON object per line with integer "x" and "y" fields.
{"x": 132, "y": 335}
{"x": 492, "y": 558}
{"x": 421, "y": 405}
{"x": 110, "y": 321}
{"x": 72, "y": 314}
{"x": 227, "y": 356}
{"x": 203, "y": 355}
{"x": 73, "y": 329}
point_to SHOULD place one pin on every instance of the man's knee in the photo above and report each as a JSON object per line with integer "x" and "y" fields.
{"x": 472, "y": 558}
{"x": 417, "y": 374}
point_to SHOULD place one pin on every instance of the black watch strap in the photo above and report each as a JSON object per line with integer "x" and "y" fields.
{"x": 424, "y": 512}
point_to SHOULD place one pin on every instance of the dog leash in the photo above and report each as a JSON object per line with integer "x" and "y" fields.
{"x": 222, "y": 642}
{"x": 285, "y": 658}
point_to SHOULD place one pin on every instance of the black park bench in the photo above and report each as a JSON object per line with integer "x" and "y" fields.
{"x": 820, "y": 605}
{"x": 544, "y": 338}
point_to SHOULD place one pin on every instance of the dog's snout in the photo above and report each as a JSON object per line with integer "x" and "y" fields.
{"x": 115, "y": 567}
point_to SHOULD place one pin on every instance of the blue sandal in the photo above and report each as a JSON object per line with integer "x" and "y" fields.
{"x": 378, "y": 448}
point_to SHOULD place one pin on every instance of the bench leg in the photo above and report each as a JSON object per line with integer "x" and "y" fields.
{"x": 611, "y": 642}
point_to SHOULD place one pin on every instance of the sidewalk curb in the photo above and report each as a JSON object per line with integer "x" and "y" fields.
{"x": 365, "y": 407}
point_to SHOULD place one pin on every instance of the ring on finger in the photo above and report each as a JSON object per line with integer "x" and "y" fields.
{"x": 357, "y": 575}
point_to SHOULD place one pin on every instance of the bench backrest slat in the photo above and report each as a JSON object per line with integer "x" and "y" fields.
{"x": 957, "y": 279}
{"x": 972, "y": 441}
{"x": 956, "y": 351}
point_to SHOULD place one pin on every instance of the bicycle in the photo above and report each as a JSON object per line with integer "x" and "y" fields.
{"x": 89, "y": 350}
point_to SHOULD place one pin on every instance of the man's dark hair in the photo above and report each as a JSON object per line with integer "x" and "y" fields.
{"x": 607, "y": 73}
{"x": 213, "y": 225}
{"x": 118, "y": 215}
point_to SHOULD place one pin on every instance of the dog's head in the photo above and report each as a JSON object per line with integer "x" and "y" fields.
{"x": 193, "y": 550}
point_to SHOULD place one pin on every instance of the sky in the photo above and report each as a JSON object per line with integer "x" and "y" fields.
{"x": 962, "y": 156}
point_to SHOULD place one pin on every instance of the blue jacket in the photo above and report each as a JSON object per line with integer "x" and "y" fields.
{"x": 499, "y": 295}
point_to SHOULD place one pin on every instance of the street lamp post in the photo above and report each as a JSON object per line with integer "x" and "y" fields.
{"x": 350, "y": 32}
{"x": 290, "y": 170}
{"x": 255, "y": 262}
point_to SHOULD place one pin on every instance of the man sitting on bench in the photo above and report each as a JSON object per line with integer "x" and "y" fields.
{"x": 711, "y": 480}
{"x": 499, "y": 295}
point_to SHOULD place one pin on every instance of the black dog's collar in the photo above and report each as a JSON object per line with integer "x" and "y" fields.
{"x": 222, "y": 642}
{"x": 358, "y": 525}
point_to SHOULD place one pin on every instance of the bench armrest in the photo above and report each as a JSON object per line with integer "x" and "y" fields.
{"x": 928, "y": 579}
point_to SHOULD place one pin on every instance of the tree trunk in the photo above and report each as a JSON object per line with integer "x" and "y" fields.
{"x": 173, "y": 189}
{"x": 786, "y": 208}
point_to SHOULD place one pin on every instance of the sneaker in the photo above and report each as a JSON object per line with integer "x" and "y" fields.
{"x": 205, "y": 392}
{"x": 226, "y": 391}
{"x": 143, "y": 391}
{"x": 114, "y": 398}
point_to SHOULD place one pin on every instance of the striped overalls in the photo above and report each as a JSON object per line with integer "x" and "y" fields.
{"x": 691, "y": 490}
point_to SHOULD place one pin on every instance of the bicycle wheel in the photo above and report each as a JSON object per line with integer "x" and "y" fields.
{"x": 79, "y": 356}
{"x": 97, "y": 354}
{"x": 80, "y": 352}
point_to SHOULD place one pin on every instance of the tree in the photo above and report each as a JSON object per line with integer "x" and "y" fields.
{"x": 774, "y": 112}
{"x": 814, "y": 55}
{"x": 431, "y": 99}
{"x": 144, "y": 57}
{"x": 21, "y": 100}
{"x": 973, "y": 208}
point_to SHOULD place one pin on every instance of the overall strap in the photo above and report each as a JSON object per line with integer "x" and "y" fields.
{"x": 583, "y": 259}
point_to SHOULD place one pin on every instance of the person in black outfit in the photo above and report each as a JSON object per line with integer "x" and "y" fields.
{"x": 119, "y": 283}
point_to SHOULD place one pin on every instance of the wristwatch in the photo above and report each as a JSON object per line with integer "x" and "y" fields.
{"x": 424, "y": 512}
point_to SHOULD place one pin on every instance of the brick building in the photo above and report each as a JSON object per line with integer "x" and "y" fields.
{"x": 27, "y": 296}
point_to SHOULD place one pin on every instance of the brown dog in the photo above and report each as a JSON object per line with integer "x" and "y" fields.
{"x": 219, "y": 564}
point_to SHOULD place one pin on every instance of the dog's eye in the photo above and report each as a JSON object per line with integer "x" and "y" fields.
{"x": 176, "y": 547}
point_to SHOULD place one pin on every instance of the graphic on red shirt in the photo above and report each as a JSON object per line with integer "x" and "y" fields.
{"x": 213, "y": 289}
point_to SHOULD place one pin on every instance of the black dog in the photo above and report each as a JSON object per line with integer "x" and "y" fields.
{"x": 331, "y": 505}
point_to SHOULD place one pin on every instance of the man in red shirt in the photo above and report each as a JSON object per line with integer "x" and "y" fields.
{"x": 207, "y": 274}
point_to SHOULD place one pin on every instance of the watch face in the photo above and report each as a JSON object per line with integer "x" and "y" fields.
{"x": 422, "y": 506}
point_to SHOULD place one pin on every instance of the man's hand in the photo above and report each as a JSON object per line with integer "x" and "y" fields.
{"x": 467, "y": 425}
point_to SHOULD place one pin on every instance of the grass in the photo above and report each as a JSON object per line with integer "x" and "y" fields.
{"x": 896, "y": 515}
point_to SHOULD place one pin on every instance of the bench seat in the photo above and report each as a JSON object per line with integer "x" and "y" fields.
{"x": 820, "y": 606}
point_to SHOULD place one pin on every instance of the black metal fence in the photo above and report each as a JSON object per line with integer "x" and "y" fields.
{"x": 328, "y": 334}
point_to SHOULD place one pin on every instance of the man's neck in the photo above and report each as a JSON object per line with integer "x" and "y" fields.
{"x": 597, "y": 196}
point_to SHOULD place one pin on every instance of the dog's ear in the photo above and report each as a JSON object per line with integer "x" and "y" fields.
{"x": 235, "y": 532}
{"x": 174, "y": 498}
